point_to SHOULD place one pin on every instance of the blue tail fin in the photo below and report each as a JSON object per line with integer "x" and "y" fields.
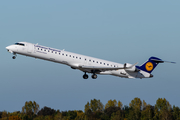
{"x": 150, "y": 65}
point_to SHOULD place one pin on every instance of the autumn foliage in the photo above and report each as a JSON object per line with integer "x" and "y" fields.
{"x": 95, "y": 110}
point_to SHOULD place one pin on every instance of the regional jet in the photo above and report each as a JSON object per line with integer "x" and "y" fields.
{"x": 85, "y": 63}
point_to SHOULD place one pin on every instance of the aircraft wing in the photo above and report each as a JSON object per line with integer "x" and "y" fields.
{"x": 100, "y": 68}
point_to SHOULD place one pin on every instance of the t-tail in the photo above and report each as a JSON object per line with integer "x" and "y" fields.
{"x": 151, "y": 64}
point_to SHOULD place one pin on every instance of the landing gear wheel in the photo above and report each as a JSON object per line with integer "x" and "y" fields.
{"x": 14, "y": 57}
{"x": 85, "y": 76}
{"x": 94, "y": 76}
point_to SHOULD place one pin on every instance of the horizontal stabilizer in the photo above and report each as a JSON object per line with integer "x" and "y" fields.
{"x": 162, "y": 61}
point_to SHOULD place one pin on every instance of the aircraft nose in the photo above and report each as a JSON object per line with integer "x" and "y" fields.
{"x": 7, "y": 47}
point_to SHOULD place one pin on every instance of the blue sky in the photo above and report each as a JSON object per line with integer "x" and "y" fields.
{"x": 120, "y": 31}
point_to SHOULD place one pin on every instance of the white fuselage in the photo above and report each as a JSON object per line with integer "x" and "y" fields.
{"x": 73, "y": 60}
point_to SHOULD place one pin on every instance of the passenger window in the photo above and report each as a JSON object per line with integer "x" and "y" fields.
{"x": 100, "y": 62}
{"x": 69, "y": 55}
{"x": 66, "y": 55}
{"x": 93, "y": 60}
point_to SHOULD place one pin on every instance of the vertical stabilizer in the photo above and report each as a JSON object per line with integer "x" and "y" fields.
{"x": 150, "y": 65}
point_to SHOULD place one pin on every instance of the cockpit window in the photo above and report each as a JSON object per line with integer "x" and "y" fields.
{"x": 21, "y": 44}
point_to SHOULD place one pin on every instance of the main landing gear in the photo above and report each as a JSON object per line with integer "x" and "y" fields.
{"x": 85, "y": 76}
{"x": 94, "y": 76}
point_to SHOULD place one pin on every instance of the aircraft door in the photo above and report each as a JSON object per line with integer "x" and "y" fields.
{"x": 30, "y": 48}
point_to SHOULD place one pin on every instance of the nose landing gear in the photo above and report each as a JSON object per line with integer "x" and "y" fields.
{"x": 14, "y": 57}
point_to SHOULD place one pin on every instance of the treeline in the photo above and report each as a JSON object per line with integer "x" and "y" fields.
{"x": 95, "y": 110}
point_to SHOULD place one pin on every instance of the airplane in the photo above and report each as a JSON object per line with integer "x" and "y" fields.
{"x": 84, "y": 63}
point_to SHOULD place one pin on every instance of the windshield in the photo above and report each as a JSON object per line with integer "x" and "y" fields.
{"x": 19, "y": 44}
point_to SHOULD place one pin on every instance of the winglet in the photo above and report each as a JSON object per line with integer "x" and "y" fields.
{"x": 130, "y": 66}
{"x": 133, "y": 65}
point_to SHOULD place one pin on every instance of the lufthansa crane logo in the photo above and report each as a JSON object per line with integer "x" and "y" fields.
{"x": 149, "y": 66}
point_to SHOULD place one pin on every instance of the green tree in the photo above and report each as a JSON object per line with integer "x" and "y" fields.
{"x": 111, "y": 103}
{"x": 30, "y": 108}
{"x": 110, "y": 110}
{"x": 135, "y": 111}
{"x": 144, "y": 104}
{"x": 46, "y": 111}
{"x": 120, "y": 105}
{"x": 136, "y": 103}
{"x": 71, "y": 114}
{"x": 14, "y": 117}
{"x": 126, "y": 110}
{"x": 58, "y": 116}
{"x": 162, "y": 103}
{"x": 48, "y": 117}
{"x": 5, "y": 115}
{"x": 117, "y": 116}
{"x": 80, "y": 116}
{"x": 163, "y": 109}
{"x": 96, "y": 105}
{"x": 176, "y": 113}
{"x": 147, "y": 113}
{"x": 87, "y": 107}
{"x": 38, "y": 118}
{"x": 93, "y": 110}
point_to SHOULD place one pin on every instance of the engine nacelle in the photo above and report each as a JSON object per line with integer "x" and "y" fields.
{"x": 130, "y": 68}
